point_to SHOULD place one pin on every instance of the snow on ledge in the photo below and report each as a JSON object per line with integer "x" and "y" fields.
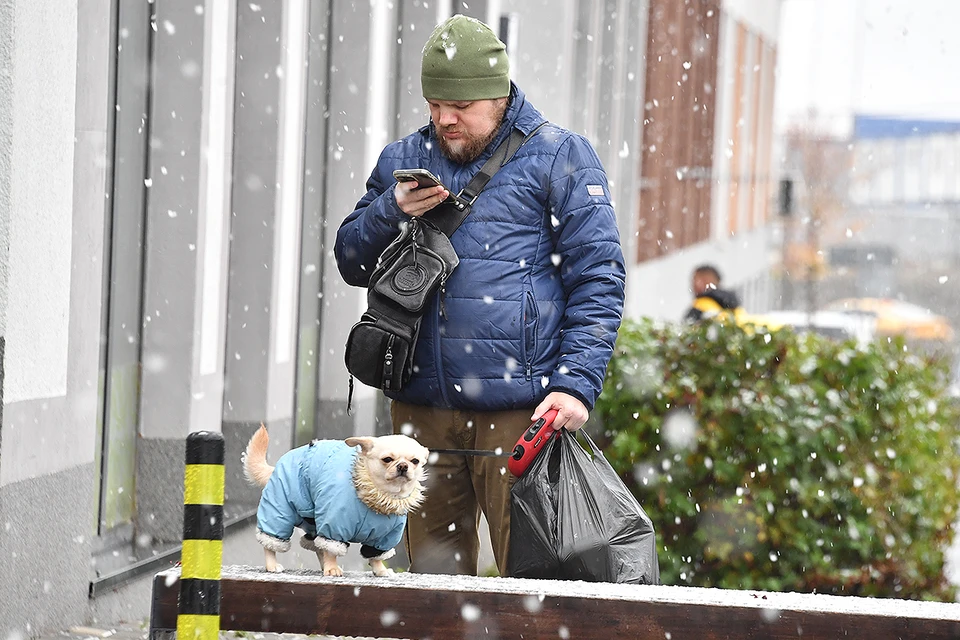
{"x": 697, "y": 596}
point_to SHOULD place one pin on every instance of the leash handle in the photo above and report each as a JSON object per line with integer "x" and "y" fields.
{"x": 533, "y": 440}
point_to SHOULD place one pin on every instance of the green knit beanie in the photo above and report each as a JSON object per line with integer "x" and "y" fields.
{"x": 464, "y": 60}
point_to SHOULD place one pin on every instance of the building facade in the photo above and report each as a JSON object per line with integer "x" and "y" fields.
{"x": 706, "y": 189}
{"x": 896, "y": 236}
{"x": 172, "y": 176}
{"x": 905, "y": 188}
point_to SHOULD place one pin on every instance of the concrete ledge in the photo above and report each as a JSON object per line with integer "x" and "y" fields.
{"x": 442, "y": 606}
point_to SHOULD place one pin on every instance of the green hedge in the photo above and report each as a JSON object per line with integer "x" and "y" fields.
{"x": 786, "y": 462}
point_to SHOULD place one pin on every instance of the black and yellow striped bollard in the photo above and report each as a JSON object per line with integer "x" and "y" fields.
{"x": 198, "y": 615}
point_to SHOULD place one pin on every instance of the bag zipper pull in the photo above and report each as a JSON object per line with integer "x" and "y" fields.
{"x": 350, "y": 395}
{"x": 388, "y": 363}
{"x": 413, "y": 239}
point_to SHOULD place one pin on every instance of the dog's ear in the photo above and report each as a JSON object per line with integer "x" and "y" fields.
{"x": 366, "y": 443}
{"x": 425, "y": 455}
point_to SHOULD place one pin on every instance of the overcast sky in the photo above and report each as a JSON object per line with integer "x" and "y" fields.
{"x": 894, "y": 57}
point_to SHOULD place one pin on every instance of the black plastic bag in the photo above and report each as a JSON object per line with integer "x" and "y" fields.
{"x": 572, "y": 518}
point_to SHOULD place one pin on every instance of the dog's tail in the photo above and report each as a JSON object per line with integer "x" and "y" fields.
{"x": 254, "y": 459}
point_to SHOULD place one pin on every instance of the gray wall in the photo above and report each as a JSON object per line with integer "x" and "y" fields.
{"x": 54, "y": 63}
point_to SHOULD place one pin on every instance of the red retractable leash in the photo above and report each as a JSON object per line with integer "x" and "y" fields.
{"x": 533, "y": 440}
{"x": 530, "y": 444}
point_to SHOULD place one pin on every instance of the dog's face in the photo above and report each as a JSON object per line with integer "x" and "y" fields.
{"x": 395, "y": 463}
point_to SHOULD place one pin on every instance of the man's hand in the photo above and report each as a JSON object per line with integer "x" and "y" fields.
{"x": 416, "y": 202}
{"x": 571, "y": 414}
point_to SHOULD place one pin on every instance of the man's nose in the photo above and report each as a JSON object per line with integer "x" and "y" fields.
{"x": 447, "y": 117}
{"x": 401, "y": 468}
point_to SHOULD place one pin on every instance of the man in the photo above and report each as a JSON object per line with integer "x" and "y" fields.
{"x": 710, "y": 301}
{"x": 530, "y": 315}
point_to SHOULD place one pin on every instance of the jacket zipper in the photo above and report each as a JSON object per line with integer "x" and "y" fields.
{"x": 441, "y": 383}
{"x": 443, "y": 294}
{"x": 529, "y": 304}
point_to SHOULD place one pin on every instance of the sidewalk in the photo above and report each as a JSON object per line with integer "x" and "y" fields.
{"x": 130, "y": 631}
{"x": 123, "y": 613}
{"x": 123, "y": 631}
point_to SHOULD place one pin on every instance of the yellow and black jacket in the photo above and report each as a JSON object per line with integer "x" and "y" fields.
{"x": 717, "y": 303}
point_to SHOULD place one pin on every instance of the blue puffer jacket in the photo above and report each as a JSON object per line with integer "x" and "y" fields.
{"x": 312, "y": 488}
{"x": 535, "y": 304}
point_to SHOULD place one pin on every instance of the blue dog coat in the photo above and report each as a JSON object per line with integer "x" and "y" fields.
{"x": 312, "y": 488}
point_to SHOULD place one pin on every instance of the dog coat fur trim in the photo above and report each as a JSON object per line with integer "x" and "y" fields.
{"x": 335, "y": 547}
{"x": 271, "y": 543}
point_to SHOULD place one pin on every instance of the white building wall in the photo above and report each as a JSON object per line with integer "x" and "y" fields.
{"x": 762, "y": 16}
{"x": 54, "y": 62}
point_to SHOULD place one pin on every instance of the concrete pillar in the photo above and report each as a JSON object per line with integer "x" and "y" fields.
{"x": 361, "y": 107}
{"x": 314, "y": 203}
{"x": 265, "y": 262}
{"x": 185, "y": 271}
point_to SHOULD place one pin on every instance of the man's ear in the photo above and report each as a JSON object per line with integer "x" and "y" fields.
{"x": 365, "y": 442}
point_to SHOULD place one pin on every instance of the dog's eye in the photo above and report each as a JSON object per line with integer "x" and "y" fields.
{"x": 415, "y": 461}
{"x": 387, "y": 460}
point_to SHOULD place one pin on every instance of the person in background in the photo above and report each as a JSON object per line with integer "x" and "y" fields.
{"x": 530, "y": 315}
{"x": 710, "y": 301}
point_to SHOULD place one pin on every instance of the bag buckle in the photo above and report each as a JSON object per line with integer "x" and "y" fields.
{"x": 462, "y": 203}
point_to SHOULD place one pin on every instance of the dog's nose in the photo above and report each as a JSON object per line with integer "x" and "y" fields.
{"x": 401, "y": 468}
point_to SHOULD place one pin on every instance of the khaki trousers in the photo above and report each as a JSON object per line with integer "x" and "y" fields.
{"x": 443, "y": 534}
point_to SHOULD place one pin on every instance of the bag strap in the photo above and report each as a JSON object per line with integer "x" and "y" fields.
{"x": 449, "y": 219}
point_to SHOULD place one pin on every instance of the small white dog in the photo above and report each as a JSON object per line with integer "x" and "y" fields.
{"x": 338, "y": 494}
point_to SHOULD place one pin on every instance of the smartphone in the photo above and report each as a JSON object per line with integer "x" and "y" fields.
{"x": 422, "y": 177}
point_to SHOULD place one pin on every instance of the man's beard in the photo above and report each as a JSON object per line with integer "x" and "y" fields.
{"x": 467, "y": 149}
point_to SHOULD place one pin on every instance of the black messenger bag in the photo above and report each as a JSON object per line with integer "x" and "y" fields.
{"x": 380, "y": 346}
{"x": 418, "y": 263}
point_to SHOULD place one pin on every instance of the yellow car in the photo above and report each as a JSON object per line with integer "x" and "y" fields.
{"x": 831, "y": 324}
{"x": 898, "y": 318}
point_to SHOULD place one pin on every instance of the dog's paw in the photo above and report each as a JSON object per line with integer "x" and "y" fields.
{"x": 278, "y": 568}
{"x": 334, "y": 571}
{"x": 382, "y": 572}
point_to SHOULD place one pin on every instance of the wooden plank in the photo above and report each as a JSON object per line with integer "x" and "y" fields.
{"x": 707, "y": 120}
{"x": 652, "y": 203}
{"x": 430, "y": 606}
